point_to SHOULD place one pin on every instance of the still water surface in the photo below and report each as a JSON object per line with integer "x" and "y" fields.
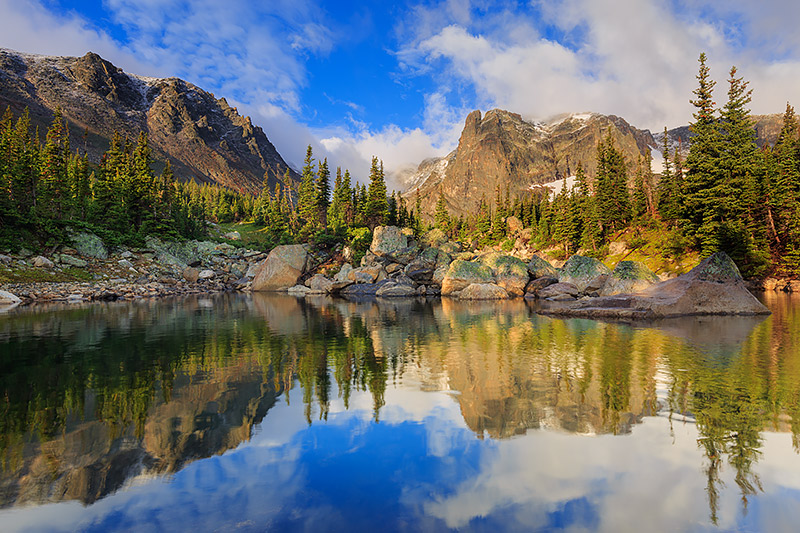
{"x": 239, "y": 413}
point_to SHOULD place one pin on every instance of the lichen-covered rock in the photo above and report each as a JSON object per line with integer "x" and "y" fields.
{"x": 718, "y": 268}
{"x": 580, "y": 270}
{"x": 72, "y": 261}
{"x": 461, "y": 274}
{"x": 298, "y": 290}
{"x": 281, "y": 269}
{"x": 509, "y": 272}
{"x": 405, "y": 255}
{"x": 233, "y": 236}
{"x": 387, "y": 240}
{"x": 89, "y": 245}
{"x": 483, "y": 291}
{"x": 628, "y": 277}
{"x": 206, "y": 274}
{"x": 539, "y": 268}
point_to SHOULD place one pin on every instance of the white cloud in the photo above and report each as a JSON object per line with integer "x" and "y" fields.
{"x": 633, "y": 58}
{"x": 30, "y": 27}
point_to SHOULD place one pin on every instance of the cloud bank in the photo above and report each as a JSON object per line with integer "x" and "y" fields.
{"x": 633, "y": 58}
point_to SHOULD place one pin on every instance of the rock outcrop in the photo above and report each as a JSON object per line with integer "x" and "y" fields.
{"x": 714, "y": 287}
{"x": 628, "y": 277}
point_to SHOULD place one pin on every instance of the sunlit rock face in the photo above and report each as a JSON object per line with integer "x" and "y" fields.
{"x": 202, "y": 136}
{"x": 501, "y": 149}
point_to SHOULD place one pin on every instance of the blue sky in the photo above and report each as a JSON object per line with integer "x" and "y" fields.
{"x": 397, "y": 79}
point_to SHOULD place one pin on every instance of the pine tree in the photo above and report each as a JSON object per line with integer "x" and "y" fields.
{"x": 441, "y": 218}
{"x": 322, "y": 197}
{"x": 306, "y": 198}
{"x": 377, "y": 207}
{"x": 701, "y": 208}
{"x": 613, "y": 200}
{"x": 52, "y": 189}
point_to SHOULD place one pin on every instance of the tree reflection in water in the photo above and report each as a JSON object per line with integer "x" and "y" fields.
{"x": 96, "y": 394}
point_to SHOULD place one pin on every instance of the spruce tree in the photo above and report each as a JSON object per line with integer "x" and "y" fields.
{"x": 700, "y": 205}
{"x": 306, "y": 198}
{"x": 322, "y": 197}
{"x": 441, "y": 218}
{"x": 377, "y": 208}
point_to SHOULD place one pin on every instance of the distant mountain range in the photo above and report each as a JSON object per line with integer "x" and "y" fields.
{"x": 202, "y": 136}
{"x": 207, "y": 140}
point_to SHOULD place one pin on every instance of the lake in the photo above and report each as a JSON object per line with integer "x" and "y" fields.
{"x": 271, "y": 413}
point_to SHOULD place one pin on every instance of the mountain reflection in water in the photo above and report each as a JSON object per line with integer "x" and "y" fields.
{"x": 106, "y": 396}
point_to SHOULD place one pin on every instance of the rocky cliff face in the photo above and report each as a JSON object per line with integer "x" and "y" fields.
{"x": 502, "y": 149}
{"x": 203, "y": 137}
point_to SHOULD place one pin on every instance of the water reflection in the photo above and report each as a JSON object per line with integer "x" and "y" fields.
{"x": 97, "y": 395}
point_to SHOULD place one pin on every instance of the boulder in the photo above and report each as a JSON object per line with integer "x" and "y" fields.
{"x": 191, "y": 274}
{"x": 391, "y": 268}
{"x": 72, "y": 261}
{"x": 557, "y": 289}
{"x": 6, "y": 298}
{"x": 124, "y": 263}
{"x": 538, "y": 268}
{"x": 5, "y": 258}
{"x": 233, "y": 236}
{"x": 628, "y": 277}
{"x": 319, "y": 284}
{"x": 367, "y": 274}
{"x": 298, "y": 290}
{"x": 343, "y": 273}
{"x": 281, "y": 269}
{"x": 461, "y": 274}
{"x": 89, "y": 245}
{"x": 387, "y": 240}
{"x": 581, "y": 270}
{"x": 396, "y": 290}
{"x": 405, "y": 255}
{"x": 206, "y": 274}
{"x": 509, "y": 272}
{"x": 714, "y": 287}
{"x": 483, "y": 291}
{"x": 41, "y": 261}
{"x": 536, "y": 285}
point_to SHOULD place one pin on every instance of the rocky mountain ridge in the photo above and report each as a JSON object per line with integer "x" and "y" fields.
{"x": 203, "y": 137}
{"x": 501, "y": 149}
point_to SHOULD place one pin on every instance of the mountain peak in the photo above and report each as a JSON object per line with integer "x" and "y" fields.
{"x": 203, "y": 137}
